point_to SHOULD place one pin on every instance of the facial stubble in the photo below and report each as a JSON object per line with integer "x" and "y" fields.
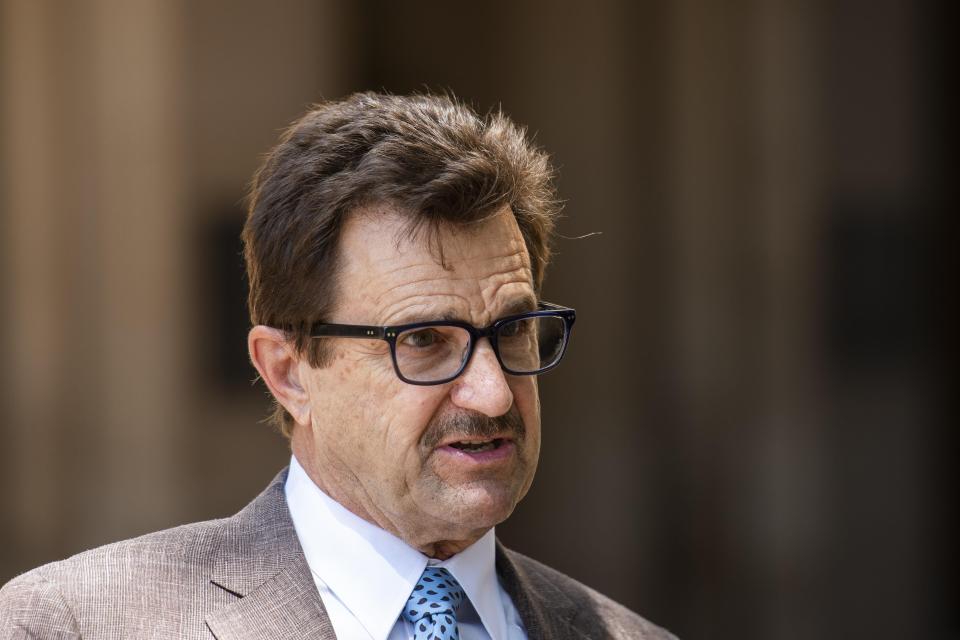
{"x": 504, "y": 489}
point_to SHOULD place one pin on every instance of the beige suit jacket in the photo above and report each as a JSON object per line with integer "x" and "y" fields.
{"x": 246, "y": 577}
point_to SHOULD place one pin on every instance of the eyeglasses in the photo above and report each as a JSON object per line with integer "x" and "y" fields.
{"x": 436, "y": 352}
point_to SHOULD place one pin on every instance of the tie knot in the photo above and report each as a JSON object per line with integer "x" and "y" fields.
{"x": 433, "y": 603}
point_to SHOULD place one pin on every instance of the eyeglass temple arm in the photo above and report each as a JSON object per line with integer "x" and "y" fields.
{"x": 321, "y": 330}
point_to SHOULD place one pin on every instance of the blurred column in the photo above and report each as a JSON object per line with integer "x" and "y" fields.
{"x": 718, "y": 282}
{"x": 139, "y": 255}
{"x": 887, "y": 298}
{"x": 790, "y": 486}
{"x": 93, "y": 271}
{"x": 32, "y": 313}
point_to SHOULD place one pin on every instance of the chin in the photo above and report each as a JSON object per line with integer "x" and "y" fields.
{"x": 480, "y": 506}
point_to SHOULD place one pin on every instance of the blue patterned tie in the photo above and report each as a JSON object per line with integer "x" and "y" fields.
{"x": 432, "y": 607}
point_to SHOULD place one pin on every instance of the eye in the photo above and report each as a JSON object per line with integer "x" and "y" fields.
{"x": 510, "y": 330}
{"x": 516, "y": 328}
{"x": 421, "y": 338}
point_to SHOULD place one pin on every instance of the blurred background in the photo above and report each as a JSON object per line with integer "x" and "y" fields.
{"x": 753, "y": 433}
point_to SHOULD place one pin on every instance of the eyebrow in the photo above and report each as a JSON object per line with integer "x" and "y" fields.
{"x": 511, "y": 308}
{"x": 519, "y": 305}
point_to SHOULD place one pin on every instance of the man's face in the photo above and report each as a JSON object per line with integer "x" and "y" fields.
{"x": 391, "y": 451}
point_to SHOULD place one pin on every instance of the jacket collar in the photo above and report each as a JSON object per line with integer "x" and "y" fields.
{"x": 547, "y": 612}
{"x": 260, "y": 561}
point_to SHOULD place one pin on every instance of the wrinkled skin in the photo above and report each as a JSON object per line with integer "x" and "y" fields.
{"x": 375, "y": 443}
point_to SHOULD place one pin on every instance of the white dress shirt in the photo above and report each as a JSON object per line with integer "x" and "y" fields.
{"x": 365, "y": 574}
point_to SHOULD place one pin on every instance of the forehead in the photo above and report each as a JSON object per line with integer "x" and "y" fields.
{"x": 474, "y": 272}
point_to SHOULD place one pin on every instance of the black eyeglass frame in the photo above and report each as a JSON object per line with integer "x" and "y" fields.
{"x": 390, "y": 333}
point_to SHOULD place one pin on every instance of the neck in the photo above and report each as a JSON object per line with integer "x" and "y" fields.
{"x": 444, "y": 549}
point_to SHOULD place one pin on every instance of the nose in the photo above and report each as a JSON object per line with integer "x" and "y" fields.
{"x": 483, "y": 385}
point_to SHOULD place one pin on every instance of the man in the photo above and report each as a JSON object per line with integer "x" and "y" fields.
{"x": 395, "y": 248}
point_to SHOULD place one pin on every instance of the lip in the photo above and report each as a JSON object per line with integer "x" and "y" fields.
{"x": 502, "y": 453}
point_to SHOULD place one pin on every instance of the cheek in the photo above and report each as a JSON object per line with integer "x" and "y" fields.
{"x": 527, "y": 399}
{"x": 343, "y": 404}
{"x": 409, "y": 410}
{"x": 393, "y": 416}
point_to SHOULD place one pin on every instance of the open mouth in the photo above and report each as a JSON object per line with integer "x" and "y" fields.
{"x": 477, "y": 447}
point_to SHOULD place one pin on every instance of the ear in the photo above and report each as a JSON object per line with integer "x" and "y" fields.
{"x": 277, "y": 362}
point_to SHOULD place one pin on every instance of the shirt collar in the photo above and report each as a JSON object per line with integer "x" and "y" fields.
{"x": 372, "y": 571}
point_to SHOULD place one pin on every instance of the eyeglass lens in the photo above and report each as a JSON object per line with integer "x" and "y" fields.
{"x": 526, "y": 345}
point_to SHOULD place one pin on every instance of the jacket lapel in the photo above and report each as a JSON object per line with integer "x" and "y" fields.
{"x": 547, "y": 612}
{"x": 261, "y": 563}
